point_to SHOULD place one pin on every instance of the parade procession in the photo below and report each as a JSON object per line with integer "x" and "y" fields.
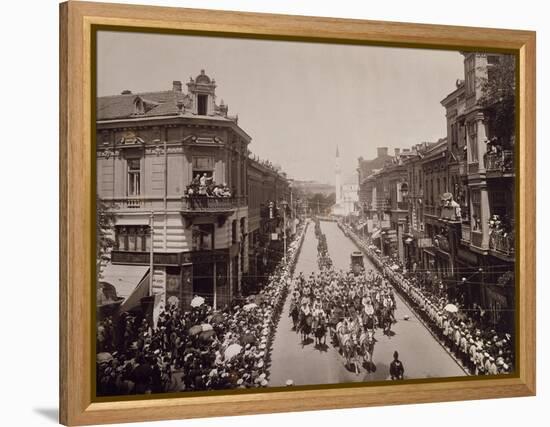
{"x": 227, "y": 257}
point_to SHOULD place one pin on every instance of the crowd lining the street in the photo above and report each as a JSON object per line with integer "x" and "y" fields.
{"x": 195, "y": 349}
{"x": 478, "y": 346}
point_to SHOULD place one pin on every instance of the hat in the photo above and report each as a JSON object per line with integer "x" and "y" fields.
{"x": 264, "y": 383}
{"x": 289, "y": 383}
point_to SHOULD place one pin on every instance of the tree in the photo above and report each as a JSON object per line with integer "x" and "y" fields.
{"x": 105, "y": 221}
{"x": 321, "y": 201}
{"x": 498, "y": 98}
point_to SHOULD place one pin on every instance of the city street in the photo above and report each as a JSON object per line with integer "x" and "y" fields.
{"x": 421, "y": 354}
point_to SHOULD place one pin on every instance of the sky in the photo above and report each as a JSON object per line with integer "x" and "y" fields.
{"x": 297, "y": 100}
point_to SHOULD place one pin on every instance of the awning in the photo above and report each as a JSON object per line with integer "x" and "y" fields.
{"x": 408, "y": 240}
{"x": 131, "y": 282}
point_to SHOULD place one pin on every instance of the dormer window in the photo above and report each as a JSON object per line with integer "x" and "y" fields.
{"x": 139, "y": 107}
{"x": 202, "y": 105}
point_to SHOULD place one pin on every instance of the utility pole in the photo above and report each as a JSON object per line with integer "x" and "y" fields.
{"x": 284, "y": 229}
{"x": 151, "y": 252}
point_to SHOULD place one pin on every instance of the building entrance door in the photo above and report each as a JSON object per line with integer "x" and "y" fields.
{"x": 203, "y": 281}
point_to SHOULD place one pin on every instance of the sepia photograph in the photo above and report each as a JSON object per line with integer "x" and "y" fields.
{"x": 279, "y": 214}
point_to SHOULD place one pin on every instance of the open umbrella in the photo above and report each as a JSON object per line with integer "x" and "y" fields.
{"x": 232, "y": 351}
{"x": 451, "y": 308}
{"x": 250, "y": 306}
{"x": 104, "y": 358}
{"x": 197, "y": 302}
{"x": 194, "y": 330}
{"x": 206, "y": 335}
{"x": 206, "y": 327}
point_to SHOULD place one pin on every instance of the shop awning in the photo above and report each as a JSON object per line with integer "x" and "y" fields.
{"x": 408, "y": 240}
{"x": 131, "y": 282}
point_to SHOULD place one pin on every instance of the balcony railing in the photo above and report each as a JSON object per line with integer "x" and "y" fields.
{"x": 212, "y": 204}
{"x": 500, "y": 162}
{"x": 129, "y": 202}
{"x": 466, "y": 231}
{"x": 502, "y": 243}
{"x": 404, "y": 206}
{"x": 477, "y": 239}
{"x": 432, "y": 210}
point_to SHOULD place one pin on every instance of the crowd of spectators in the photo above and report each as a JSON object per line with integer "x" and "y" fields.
{"x": 464, "y": 332}
{"x": 204, "y": 186}
{"x": 194, "y": 349}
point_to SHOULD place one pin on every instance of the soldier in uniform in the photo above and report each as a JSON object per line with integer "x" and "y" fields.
{"x": 397, "y": 370}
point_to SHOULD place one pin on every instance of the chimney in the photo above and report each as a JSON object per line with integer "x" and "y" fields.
{"x": 176, "y": 86}
{"x": 381, "y": 151}
{"x": 397, "y": 151}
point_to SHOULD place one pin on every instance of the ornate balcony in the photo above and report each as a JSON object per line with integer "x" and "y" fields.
{"x": 220, "y": 207}
{"x": 212, "y": 204}
{"x": 502, "y": 243}
{"x": 502, "y": 162}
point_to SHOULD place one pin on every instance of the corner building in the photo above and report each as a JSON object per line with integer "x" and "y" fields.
{"x": 149, "y": 147}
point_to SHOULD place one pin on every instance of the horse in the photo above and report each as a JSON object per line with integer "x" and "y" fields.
{"x": 336, "y": 317}
{"x": 294, "y": 312}
{"x": 305, "y": 321}
{"x": 349, "y": 350}
{"x": 367, "y": 342}
{"x": 319, "y": 327}
{"x": 386, "y": 319}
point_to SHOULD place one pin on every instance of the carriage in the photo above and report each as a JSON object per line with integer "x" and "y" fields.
{"x": 357, "y": 265}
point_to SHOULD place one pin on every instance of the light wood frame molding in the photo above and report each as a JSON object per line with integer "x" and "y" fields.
{"x": 76, "y": 217}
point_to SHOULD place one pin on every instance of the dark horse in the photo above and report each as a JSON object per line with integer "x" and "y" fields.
{"x": 304, "y": 325}
{"x": 386, "y": 320}
{"x": 319, "y": 327}
{"x": 295, "y": 314}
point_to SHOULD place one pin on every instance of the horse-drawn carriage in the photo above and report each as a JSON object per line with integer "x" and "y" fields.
{"x": 357, "y": 265}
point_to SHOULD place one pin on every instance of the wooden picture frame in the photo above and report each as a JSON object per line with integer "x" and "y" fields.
{"x": 76, "y": 216}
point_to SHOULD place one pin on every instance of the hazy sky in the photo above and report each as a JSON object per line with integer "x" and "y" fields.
{"x": 297, "y": 100}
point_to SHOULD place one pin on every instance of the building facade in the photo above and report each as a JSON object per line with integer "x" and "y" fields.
{"x": 450, "y": 204}
{"x": 156, "y": 153}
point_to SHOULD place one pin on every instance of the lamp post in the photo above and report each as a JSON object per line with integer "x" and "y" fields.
{"x": 285, "y": 204}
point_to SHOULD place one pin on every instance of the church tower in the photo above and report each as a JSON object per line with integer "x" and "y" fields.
{"x": 338, "y": 182}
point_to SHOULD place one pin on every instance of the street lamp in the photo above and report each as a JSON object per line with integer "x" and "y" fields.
{"x": 285, "y": 204}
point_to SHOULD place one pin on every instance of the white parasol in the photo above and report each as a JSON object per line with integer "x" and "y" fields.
{"x": 232, "y": 351}
{"x": 451, "y": 308}
{"x": 197, "y": 302}
{"x": 250, "y": 306}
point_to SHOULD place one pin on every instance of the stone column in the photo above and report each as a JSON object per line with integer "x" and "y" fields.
{"x": 481, "y": 141}
{"x": 485, "y": 215}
